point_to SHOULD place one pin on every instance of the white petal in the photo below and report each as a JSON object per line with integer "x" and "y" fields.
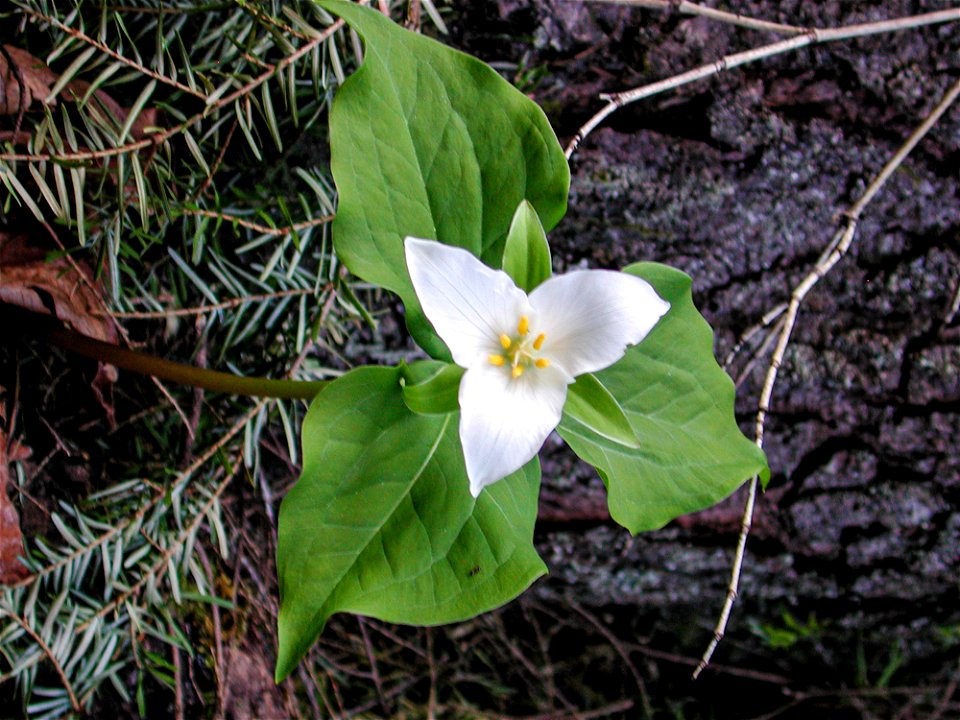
{"x": 469, "y": 304}
{"x": 589, "y": 317}
{"x": 504, "y": 420}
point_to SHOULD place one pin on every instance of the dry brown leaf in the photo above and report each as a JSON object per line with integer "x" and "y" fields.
{"x": 55, "y": 287}
{"x": 38, "y": 79}
{"x": 52, "y": 287}
{"x": 11, "y": 539}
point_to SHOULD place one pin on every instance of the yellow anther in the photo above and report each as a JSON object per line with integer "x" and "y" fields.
{"x": 542, "y": 362}
{"x": 517, "y": 371}
{"x": 505, "y": 341}
{"x": 523, "y": 327}
{"x": 538, "y": 343}
{"x": 497, "y": 360}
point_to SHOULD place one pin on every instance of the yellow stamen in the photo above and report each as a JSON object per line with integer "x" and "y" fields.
{"x": 538, "y": 343}
{"x": 517, "y": 371}
{"x": 523, "y": 327}
{"x": 542, "y": 362}
{"x": 496, "y": 360}
{"x": 505, "y": 341}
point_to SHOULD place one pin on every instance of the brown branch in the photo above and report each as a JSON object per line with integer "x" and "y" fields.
{"x": 161, "y": 137}
{"x": 49, "y": 653}
{"x": 83, "y": 37}
{"x": 265, "y": 229}
{"x": 227, "y": 304}
{"x": 813, "y": 36}
{"x": 834, "y": 252}
{"x": 689, "y": 8}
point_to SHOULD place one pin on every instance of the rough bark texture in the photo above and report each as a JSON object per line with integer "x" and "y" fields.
{"x": 738, "y": 181}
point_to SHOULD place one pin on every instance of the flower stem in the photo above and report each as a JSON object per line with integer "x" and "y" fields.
{"x": 182, "y": 373}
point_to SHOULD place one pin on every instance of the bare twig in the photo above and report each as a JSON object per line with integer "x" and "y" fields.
{"x": 689, "y": 8}
{"x": 954, "y": 306}
{"x": 613, "y": 709}
{"x": 835, "y": 250}
{"x": 768, "y": 319}
{"x": 948, "y": 693}
{"x": 813, "y": 36}
{"x": 621, "y": 651}
{"x": 177, "y": 682}
{"x": 374, "y": 666}
{"x": 432, "y": 666}
{"x": 220, "y": 672}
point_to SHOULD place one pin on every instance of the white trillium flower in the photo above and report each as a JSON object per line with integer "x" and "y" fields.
{"x": 520, "y": 352}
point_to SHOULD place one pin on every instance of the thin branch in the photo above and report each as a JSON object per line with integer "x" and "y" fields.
{"x": 835, "y": 250}
{"x": 83, "y": 37}
{"x": 256, "y": 227}
{"x": 374, "y": 666}
{"x": 226, "y": 305}
{"x": 49, "y": 653}
{"x": 813, "y": 36}
{"x": 689, "y": 8}
{"x": 768, "y": 318}
{"x": 161, "y": 137}
{"x": 182, "y": 477}
{"x": 208, "y": 180}
{"x": 621, "y": 651}
{"x": 266, "y": 21}
{"x": 954, "y": 306}
{"x": 274, "y": 69}
{"x": 168, "y": 553}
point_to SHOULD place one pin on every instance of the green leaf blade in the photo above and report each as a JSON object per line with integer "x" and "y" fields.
{"x": 526, "y": 255}
{"x": 432, "y": 387}
{"x": 381, "y": 522}
{"x": 429, "y": 142}
{"x": 591, "y": 405}
{"x": 680, "y": 405}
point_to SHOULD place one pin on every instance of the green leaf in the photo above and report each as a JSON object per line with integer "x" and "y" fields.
{"x": 680, "y": 405}
{"x": 432, "y": 387}
{"x": 590, "y": 404}
{"x": 526, "y": 255}
{"x": 381, "y": 522}
{"x": 429, "y": 142}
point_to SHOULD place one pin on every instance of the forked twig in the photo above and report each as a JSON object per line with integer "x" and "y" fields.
{"x": 835, "y": 250}
{"x": 812, "y": 36}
